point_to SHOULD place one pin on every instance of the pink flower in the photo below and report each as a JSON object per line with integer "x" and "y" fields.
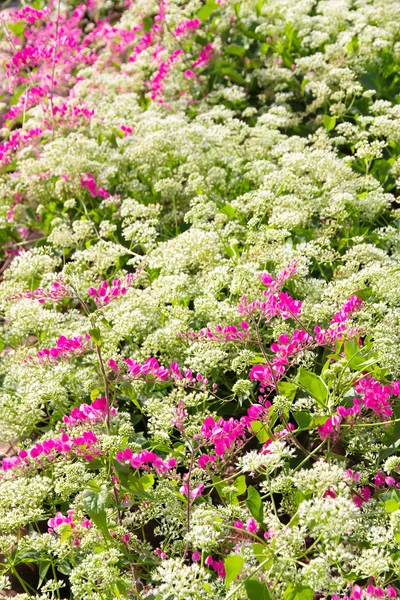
{"x": 251, "y": 525}
{"x": 196, "y": 556}
{"x": 391, "y": 592}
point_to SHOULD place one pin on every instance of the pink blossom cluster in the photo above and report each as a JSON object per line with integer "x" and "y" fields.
{"x": 10, "y": 214}
{"x": 191, "y": 493}
{"x": 145, "y": 460}
{"x": 70, "y": 115}
{"x": 274, "y": 285}
{"x": 105, "y": 293}
{"x": 58, "y": 291}
{"x": 31, "y": 15}
{"x": 126, "y": 129}
{"x": 148, "y": 38}
{"x": 94, "y": 412}
{"x": 276, "y": 303}
{"x": 228, "y": 333}
{"x": 286, "y": 346}
{"x": 187, "y": 26}
{"x": 280, "y": 304}
{"x": 338, "y": 326}
{"x": 92, "y": 187}
{"x": 60, "y": 519}
{"x": 82, "y": 445}
{"x": 65, "y": 348}
{"x": 374, "y": 396}
{"x": 151, "y": 367}
{"x": 217, "y": 565}
{"x": 383, "y": 479}
{"x": 205, "y": 56}
{"x": 157, "y": 83}
{"x": 223, "y": 434}
{"x": 353, "y": 304}
{"x": 46, "y": 56}
{"x": 28, "y": 99}
{"x": 371, "y": 591}
{"x": 17, "y": 138}
{"x": 250, "y": 526}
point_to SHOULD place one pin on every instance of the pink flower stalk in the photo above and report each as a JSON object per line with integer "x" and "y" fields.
{"x": 187, "y": 26}
{"x": 205, "y": 460}
{"x": 353, "y": 304}
{"x": 152, "y": 370}
{"x": 286, "y": 346}
{"x": 145, "y": 460}
{"x": 94, "y": 190}
{"x": 65, "y": 349}
{"x": 95, "y": 412}
{"x": 218, "y": 566}
{"x": 58, "y": 291}
{"x": 375, "y": 396}
{"x": 223, "y": 434}
{"x": 228, "y": 333}
{"x": 17, "y": 140}
{"x": 157, "y": 83}
{"x": 277, "y": 303}
{"x": 49, "y": 449}
{"x": 274, "y": 285}
{"x": 205, "y": 56}
{"x": 105, "y": 293}
{"x": 148, "y": 38}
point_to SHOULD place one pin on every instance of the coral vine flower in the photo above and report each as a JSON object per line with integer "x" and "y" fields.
{"x": 97, "y": 411}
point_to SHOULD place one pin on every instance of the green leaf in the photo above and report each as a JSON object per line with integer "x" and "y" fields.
{"x": 147, "y": 481}
{"x": 329, "y": 122}
{"x": 205, "y": 12}
{"x": 17, "y": 29}
{"x": 302, "y": 418}
{"x": 313, "y": 384}
{"x": 95, "y": 335}
{"x": 240, "y": 485}
{"x": 364, "y": 293}
{"x": 254, "y": 504}
{"x": 228, "y": 210}
{"x": 44, "y": 566}
{"x": 66, "y": 534}
{"x": 391, "y": 505}
{"x": 95, "y": 506}
{"x": 128, "y": 390}
{"x": 235, "y": 50}
{"x": 261, "y": 431}
{"x": 259, "y": 552}
{"x": 94, "y": 394}
{"x": 287, "y": 389}
{"x": 256, "y": 590}
{"x": 120, "y": 590}
{"x": 232, "y": 74}
{"x": 298, "y": 592}
{"x": 233, "y": 566}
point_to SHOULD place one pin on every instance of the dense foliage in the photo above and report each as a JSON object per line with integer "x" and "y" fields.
{"x": 200, "y": 300}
